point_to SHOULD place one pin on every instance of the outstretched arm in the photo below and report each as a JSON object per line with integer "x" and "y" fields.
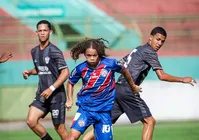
{"x": 130, "y": 81}
{"x": 169, "y": 78}
{"x": 64, "y": 74}
{"x": 5, "y": 56}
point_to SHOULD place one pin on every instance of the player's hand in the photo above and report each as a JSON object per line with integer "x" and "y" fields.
{"x": 137, "y": 89}
{"x": 189, "y": 80}
{"x": 5, "y": 56}
{"x": 69, "y": 104}
{"x": 26, "y": 73}
{"x": 46, "y": 93}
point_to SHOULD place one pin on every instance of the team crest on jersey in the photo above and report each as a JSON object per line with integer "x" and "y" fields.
{"x": 81, "y": 123}
{"x": 47, "y": 59}
{"x": 104, "y": 73}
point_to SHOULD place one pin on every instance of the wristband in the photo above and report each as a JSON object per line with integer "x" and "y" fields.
{"x": 52, "y": 88}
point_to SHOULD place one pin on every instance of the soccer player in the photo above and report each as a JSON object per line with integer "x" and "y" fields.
{"x": 139, "y": 62}
{"x": 52, "y": 70}
{"x": 5, "y": 56}
{"x": 96, "y": 97}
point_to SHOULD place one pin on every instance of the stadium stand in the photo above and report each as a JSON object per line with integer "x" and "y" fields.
{"x": 68, "y": 26}
{"x": 179, "y": 18}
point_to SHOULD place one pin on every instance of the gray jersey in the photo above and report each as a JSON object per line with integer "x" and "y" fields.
{"x": 139, "y": 62}
{"x": 49, "y": 62}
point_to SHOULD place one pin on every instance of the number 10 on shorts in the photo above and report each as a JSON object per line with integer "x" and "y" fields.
{"x": 106, "y": 128}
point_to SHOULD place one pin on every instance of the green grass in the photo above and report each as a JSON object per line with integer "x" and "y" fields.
{"x": 163, "y": 131}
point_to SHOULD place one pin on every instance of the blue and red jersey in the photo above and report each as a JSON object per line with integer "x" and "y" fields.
{"x": 98, "y": 85}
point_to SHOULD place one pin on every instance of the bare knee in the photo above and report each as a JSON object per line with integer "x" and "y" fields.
{"x": 74, "y": 135}
{"x": 60, "y": 128}
{"x": 31, "y": 123}
{"x": 149, "y": 121}
{"x": 71, "y": 137}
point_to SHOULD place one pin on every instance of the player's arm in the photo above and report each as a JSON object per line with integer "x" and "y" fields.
{"x": 5, "y": 56}
{"x": 27, "y": 73}
{"x": 69, "y": 102}
{"x": 127, "y": 75}
{"x": 64, "y": 74}
{"x": 169, "y": 78}
{"x": 59, "y": 60}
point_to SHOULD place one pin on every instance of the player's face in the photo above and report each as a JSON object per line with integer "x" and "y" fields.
{"x": 43, "y": 32}
{"x": 156, "y": 41}
{"x": 92, "y": 57}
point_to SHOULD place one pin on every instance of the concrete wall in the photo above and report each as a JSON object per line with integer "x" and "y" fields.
{"x": 170, "y": 101}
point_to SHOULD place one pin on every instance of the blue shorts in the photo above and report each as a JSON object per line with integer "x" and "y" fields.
{"x": 101, "y": 122}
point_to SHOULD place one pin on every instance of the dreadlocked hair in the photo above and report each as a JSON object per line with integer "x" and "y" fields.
{"x": 82, "y": 46}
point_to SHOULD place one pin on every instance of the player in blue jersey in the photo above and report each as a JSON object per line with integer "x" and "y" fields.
{"x": 52, "y": 70}
{"x": 5, "y": 56}
{"x": 96, "y": 97}
{"x": 139, "y": 62}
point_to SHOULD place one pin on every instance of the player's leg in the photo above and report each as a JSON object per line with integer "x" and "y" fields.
{"x": 58, "y": 117}
{"x": 103, "y": 128}
{"x": 136, "y": 109}
{"x": 116, "y": 112}
{"x": 61, "y": 130}
{"x": 82, "y": 120}
{"x": 148, "y": 127}
{"x": 74, "y": 134}
{"x": 89, "y": 135}
{"x": 36, "y": 111}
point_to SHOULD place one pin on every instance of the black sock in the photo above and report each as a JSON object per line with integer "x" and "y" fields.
{"x": 47, "y": 137}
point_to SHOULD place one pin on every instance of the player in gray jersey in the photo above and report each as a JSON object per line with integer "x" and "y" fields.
{"x": 139, "y": 62}
{"x": 52, "y": 70}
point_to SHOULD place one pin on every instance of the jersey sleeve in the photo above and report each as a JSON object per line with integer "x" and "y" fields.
{"x": 32, "y": 52}
{"x": 74, "y": 76}
{"x": 152, "y": 59}
{"x": 124, "y": 59}
{"x": 117, "y": 66}
{"x": 58, "y": 57}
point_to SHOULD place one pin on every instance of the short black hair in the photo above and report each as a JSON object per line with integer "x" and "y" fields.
{"x": 44, "y": 22}
{"x": 159, "y": 30}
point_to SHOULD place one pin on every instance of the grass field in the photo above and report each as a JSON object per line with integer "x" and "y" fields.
{"x": 188, "y": 130}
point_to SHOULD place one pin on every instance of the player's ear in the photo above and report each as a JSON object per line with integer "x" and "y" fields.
{"x": 51, "y": 32}
{"x": 151, "y": 37}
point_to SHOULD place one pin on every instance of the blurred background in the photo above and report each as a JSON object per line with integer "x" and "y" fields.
{"x": 125, "y": 24}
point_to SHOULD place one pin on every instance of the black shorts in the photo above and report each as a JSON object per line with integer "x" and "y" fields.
{"x": 126, "y": 102}
{"x": 57, "y": 110}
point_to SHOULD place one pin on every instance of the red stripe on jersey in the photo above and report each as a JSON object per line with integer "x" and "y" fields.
{"x": 105, "y": 83}
{"x": 84, "y": 71}
{"x": 94, "y": 77}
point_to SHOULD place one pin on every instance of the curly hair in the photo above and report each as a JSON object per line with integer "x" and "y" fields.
{"x": 81, "y": 47}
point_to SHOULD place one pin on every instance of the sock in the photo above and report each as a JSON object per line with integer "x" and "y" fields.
{"x": 47, "y": 137}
